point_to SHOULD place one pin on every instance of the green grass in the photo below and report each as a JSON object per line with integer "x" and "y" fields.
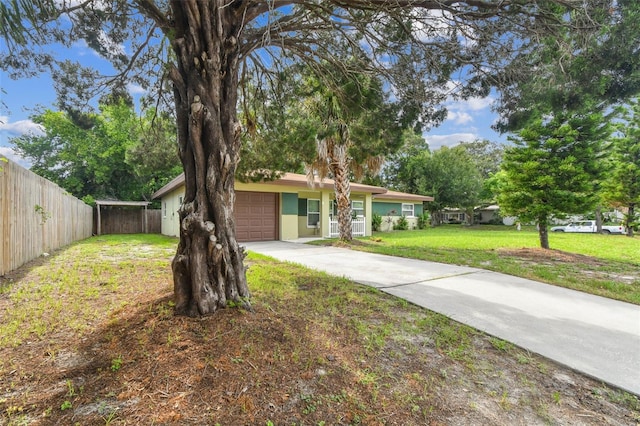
{"x": 379, "y": 354}
{"x": 612, "y": 269}
{"x": 96, "y": 268}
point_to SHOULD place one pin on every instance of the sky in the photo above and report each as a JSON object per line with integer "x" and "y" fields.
{"x": 21, "y": 99}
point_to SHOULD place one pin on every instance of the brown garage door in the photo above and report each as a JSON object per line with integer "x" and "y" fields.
{"x": 256, "y": 216}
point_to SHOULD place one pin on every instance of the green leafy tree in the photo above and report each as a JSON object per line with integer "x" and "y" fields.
{"x": 449, "y": 175}
{"x": 550, "y": 171}
{"x": 51, "y": 154}
{"x": 112, "y": 154}
{"x": 578, "y": 86}
{"x": 355, "y": 128}
{"x": 596, "y": 72}
{"x": 153, "y": 155}
{"x": 487, "y": 156}
{"x": 622, "y": 187}
{"x": 206, "y": 48}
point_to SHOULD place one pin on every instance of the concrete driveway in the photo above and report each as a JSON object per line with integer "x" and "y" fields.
{"x": 597, "y": 336}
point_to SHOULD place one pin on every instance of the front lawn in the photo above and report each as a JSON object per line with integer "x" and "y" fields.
{"x": 605, "y": 265}
{"x": 88, "y": 337}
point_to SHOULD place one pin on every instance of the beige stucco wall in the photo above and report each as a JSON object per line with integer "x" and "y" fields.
{"x": 290, "y": 226}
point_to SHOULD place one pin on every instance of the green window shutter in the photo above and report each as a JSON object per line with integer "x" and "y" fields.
{"x": 302, "y": 206}
{"x": 384, "y": 208}
{"x": 289, "y": 203}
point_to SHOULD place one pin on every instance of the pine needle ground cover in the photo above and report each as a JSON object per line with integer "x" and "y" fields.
{"x": 88, "y": 337}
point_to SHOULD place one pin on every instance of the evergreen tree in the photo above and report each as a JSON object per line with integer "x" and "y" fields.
{"x": 622, "y": 187}
{"x": 551, "y": 170}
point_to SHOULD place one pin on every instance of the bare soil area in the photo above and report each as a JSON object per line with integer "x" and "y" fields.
{"x": 557, "y": 256}
{"x": 315, "y": 351}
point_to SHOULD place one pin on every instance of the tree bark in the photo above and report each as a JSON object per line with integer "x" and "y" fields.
{"x": 629, "y": 220}
{"x": 208, "y": 267}
{"x": 339, "y": 165}
{"x": 599, "y": 219}
{"x": 470, "y": 219}
{"x": 543, "y": 232}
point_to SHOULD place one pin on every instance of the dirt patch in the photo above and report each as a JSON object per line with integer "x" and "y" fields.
{"x": 372, "y": 361}
{"x": 546, "y": 255}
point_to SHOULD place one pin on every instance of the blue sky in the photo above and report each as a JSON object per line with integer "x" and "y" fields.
{"x": 467, "y": 120}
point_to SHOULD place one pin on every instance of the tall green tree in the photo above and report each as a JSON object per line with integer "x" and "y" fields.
{"x": 356, "y": 127}
{"x": 550, "y": 170}
{"x": 575, "y": 87}
{"x": 487, "y": 156}
{"x": 203, "y": 47}
{"x": 153, "y": 155}
{"x": 112, "y": 154}
{"x": 570, "y": 73}
{"x": 622, "y": 187}
{"x": 449, "y": 175}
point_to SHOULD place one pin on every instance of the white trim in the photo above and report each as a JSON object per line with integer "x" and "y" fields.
{"x": 314, "y": 225}
{"x": 405, "y": 208}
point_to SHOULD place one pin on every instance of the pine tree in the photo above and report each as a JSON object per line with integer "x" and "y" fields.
{"x": 553, "y": 169}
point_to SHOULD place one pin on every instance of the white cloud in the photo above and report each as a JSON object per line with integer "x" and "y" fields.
{"x": 20, "y": 127}
{"x": 9, "y": 153}
{"x": 430, "y": 24}
{"x": 135, "y": 89}
{"x": 459, "y": 117}
{"x": 438, "y": 141}
{"x": 467, "y": 111}
{"x": 82, "y": 48}
{"x": 477, "y": 104}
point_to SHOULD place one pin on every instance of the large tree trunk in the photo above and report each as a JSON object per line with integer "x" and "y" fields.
{"x": 599, "y": 219}
{"x": 208, "y": 268}
{"x": 630, "y": 219}
{"x": 470, "y": 219}
{"x": 339, "y": 165}
{"x": 342, "y": 189}
{"x": 543, "y": 232}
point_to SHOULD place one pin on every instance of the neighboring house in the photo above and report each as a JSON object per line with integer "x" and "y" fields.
{"x": 288, "y": 208}
{"x": 391, "y": 205}
{"x": 486, "y": 214}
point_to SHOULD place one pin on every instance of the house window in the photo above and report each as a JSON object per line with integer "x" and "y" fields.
{"x": 313, "y": 213}
{"x": 407, "y": 210}
{"x": 357, "y": 208}
{"x": 164, "y": 209}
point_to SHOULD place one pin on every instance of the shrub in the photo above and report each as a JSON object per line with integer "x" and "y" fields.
{"x": 376, "y": 221}
{"x": 402, "y": 224}
{"x": 423, "y": 220}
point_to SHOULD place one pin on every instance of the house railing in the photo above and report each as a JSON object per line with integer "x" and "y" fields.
{"x": 358, "y": 227}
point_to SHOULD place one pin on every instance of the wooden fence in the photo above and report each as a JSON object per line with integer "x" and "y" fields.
{"x": 127, "y": 220}
{"x": 36, "y": 216}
